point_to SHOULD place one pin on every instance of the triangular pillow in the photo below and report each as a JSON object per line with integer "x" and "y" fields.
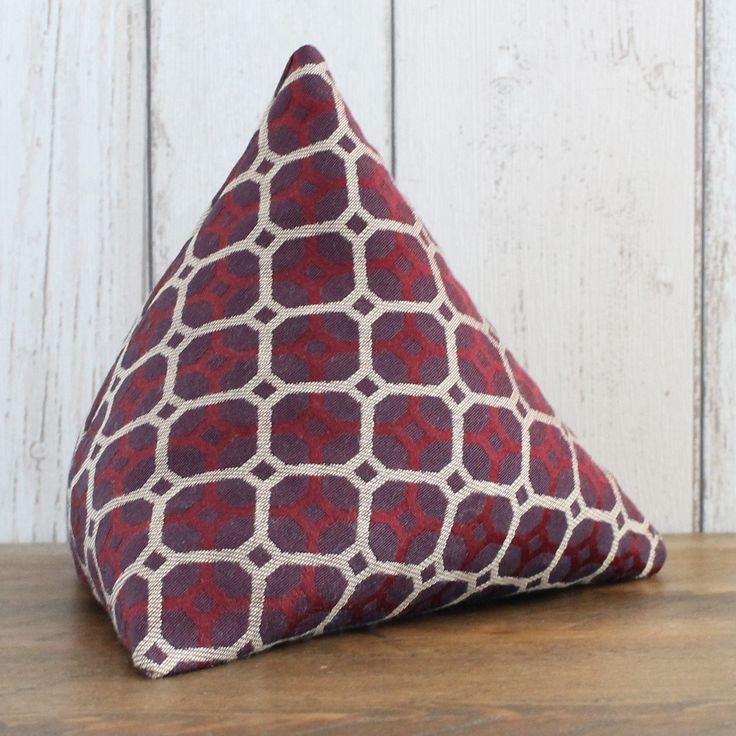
{"x": 311, "y": 428}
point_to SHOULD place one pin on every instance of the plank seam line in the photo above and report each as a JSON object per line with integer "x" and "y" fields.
{"x": 148, "y": 184}
{"x": 703, "y": 268}
{"x": 392, "y": 101}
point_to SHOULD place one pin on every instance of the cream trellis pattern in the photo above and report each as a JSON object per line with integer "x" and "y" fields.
{"x": 535, "y": 528}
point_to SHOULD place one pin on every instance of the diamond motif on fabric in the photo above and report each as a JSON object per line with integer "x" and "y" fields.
{"x": 356, "y": 224}
{"x": 263, "y": 470}
{"x": 357, "y": 563}
{"x": 264, "y": 389}
{"x": 264, "y": 167}
{"x": 456, "y": 482}
{"x": 259, "y": 557}
{"x": 363, "y": 305}
{"x": 265, "y": 315}
{"x": 265, "y": 239}
{"x": 346, "y": 143}
{"x": 366, "y": 472}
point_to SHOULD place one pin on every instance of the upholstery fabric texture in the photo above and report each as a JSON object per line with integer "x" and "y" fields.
{"x": 311, "y": 428}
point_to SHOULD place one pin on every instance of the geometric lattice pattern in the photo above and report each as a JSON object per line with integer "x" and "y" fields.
{"x": 311, "y": 428}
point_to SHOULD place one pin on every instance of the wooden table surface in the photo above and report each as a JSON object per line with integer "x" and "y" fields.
{"x": 647, "y": 657}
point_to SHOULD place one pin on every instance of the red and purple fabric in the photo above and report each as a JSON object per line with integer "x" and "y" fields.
{"x": 311, "y": 427}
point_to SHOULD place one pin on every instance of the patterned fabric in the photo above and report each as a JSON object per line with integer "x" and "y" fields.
{"x": 311, "y": 428}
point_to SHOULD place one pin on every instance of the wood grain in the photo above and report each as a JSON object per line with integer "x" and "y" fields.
{"x": 719, "y": 324}
{"x": 214, "y": 67}
{"x": 647, "y": 657}
{"x": 73, "y": 234}
{"x": 554, "y": 159}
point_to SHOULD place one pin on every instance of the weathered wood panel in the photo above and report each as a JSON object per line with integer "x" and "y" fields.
{"x": 719, "y": 323}
{"x": 551, "y": 148}
{"x": 73, "y": 234}
{"x": 566, "y": 133}
{"x": 214, "y": 67}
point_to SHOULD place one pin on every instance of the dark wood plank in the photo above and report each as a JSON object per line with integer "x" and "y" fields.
{"x": 648, "y": 657}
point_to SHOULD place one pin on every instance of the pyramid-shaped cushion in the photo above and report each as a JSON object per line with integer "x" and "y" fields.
{"x": 311, "y": 427}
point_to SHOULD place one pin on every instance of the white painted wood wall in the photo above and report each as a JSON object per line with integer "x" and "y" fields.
{"x": 576, "y": 160}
